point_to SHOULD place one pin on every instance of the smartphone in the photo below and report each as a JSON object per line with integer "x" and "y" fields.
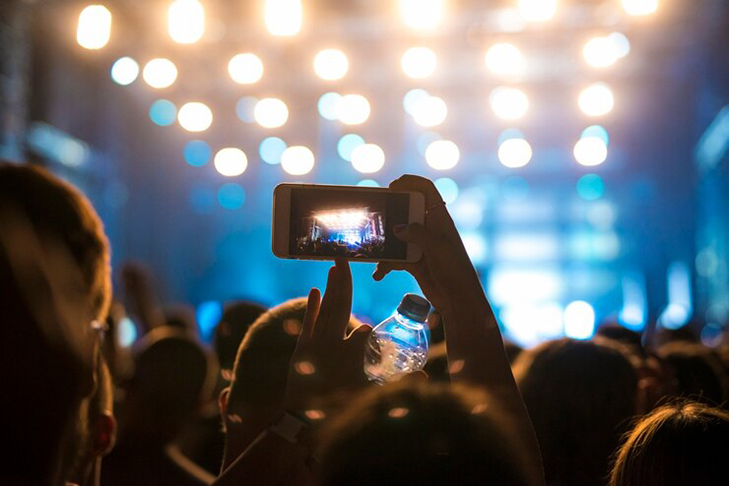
{"x": 321, "y": 222}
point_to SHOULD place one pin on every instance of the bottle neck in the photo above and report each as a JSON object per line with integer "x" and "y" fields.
{"x": 407, "y": 322}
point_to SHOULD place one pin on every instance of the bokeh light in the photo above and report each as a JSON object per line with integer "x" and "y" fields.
{"x": 245, "y": 109}
{"x": 368, "y": 183}
{"x": 159, "y": 73}
{"x": 353, "y": 109}
{"x": 600, "y": 52}
{"x": 271, "y": 149}
{"x": 419, "y": 62}
{"x": 368, "y": 158}
{"x": 447, "y": 188}
{"x": 590, "y": 187}
{"x": 163, "y": 113}
{"x": 347, "y": 144}
{"x": 442, "y": 154}
{"x": 94, "y": 27}
{"x": 596, "y": 100}
{"x": 230, "y": 161}
{"x": 186, "y": 21}
{"x": 579, "y": 320}
{"x": 208, "y": 315}
{"x": 271, "y": 113}
{"x": 283, "y": 17}
{"x": 197, "y": 153}
{"x": 504, "y": 59}
{"x": 621, "y": 43}
{"x": 640, "y": 8}
{"x": 430, "y": 111}
{"x": 195, "y": 117}
{"x": 596, "y": 131}
{"x": 590, "y": 151}
{"x": 297, "y": 160}
{"x": 327, "y": 106}
{"x": 331, "y": 64}
{"x": 411, "y": 98}
{"x": 422, "y": 14}
{"x": 246, "y": 68}
{"x": 231, "y": 196}
{"x": 127, "y": 333}
{"x": 124, "y": 71}
{"x": 515, "y": 153}
{"x": 508, "y": 103}
{"x": 537, "y": 10}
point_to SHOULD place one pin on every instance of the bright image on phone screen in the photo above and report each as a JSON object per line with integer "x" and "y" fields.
{"x": 347, "y": 223}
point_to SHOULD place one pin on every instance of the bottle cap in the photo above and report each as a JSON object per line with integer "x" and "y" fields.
{"x": 414, "y": 307}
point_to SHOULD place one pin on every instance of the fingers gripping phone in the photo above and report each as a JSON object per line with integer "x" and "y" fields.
{"x": 320, "y": 222}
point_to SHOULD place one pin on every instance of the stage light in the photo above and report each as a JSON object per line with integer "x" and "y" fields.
{"x": 442, "y": 155}
{"x": 347, "y": 144}
{"x": 621, "y": 43}
{"x": 94, "y": 27}
{"x": 538, "y": 10}
{"x": 596, "y": 131}
{"x": 283, "y": 17}
{"x": 368, "y": 158}
{"x": 230, "y": 162}
{"x": 195, "y": 117}
{"x": 297, "y": 160}
{"x": 271, "y": 113}
{"x": 124, "y": 71}
{"x": 328, "y": 103}
{"x": 590, "y": 187}
{"x": 159, "y": 73}
{"x": 601, "y": 52}
{"x": 353, "y": 109}
{"x": 127, "y": 333}
{"x": 579, "y": 320}
{"x": 504, "y": 59}
{"x": 186, "y": 21}
{"x": 418, "y": 62}
{"x": 640, "y": 8}
{"x": 197, "y": 153}
{"x": 331, "y": 64}
{"x": 411, "y": 98}
{"x": 590, "y": 151}
{"x": 596, "y": 100}
{"x": 515, "y": 153}
{"x": 422, "y": 14}
{"x": 245, "y": 109}
{"x": 208, "y": 315}
{"x": 448, "y": 189}
{"x": 163, "y": 113}
{"x": 245, "y": 68}
{"x": 509, "y": 103}
{"x": 231, "y": 196}
{"x": 271, "y": 150}
{"x": 368, "y": 183}
{"x": 430, "y": 111}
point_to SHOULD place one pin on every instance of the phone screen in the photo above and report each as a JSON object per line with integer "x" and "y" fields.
{"x": 347, "y": 223}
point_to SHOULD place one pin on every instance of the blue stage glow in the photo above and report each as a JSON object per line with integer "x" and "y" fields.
{"x": 197, "y": 153}
{"x": 271, "y": 149}
{"x": 127, "y": 332}
{"x": 448, "y": 189}
{"x": 163, "y": 113}
{"x": 347, "y": 144}
{"x": 368, "y": 183}
{"x": 231, "y": 195}
{"x": 208, "y": 316}
{"x": 245, "y": 108}
{"x": 515, "y": 188}
{"x": 596, "y": 131}
{"x": 412, "y": 98}
{"x": 510, "y": 133}
{"x": 202, "y": 200}
{"x": 328, "y": 105}
{"x": 590, "y": 187}
{"x": 425, "y": 139}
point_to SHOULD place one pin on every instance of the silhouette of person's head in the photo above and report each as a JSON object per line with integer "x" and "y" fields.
{"x": 580, "y": 396}
{"x": 676, "y": 444}
{"x": 238, "y": 316}
{"x": 697, "y": 370}
{"x": 419, "y": 432}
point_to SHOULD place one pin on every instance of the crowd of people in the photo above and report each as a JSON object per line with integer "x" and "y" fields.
{"x": 282, "y": 399}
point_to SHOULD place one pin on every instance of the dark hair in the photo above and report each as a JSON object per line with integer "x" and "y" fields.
{"x": 238, "y": 316}
{"x": 676, "y": 444}
{"x": 698, "y": 371}
{"x": 59, "y": 213}
{"x": 418, "y": 432}
{"x": 580, "y": 396}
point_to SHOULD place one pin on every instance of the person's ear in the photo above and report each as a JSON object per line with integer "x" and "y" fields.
{"x": 223, "y": 404}
{"x": 105, "y": 434}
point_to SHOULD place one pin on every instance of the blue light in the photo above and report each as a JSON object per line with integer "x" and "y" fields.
{"x": 163, "y": 113}
{"x": 596, "y": 131}
{"x": 197, "y": 153}
{"x": 368, "y": 183}
{"x": 347, "y": 144}
{"x": 515, "y": 188}
{"x": 208, "y": 316}
{"x": 231, "y": 195}
{"x": 579, "y": 320}
{"x": 127, "y": 332}
{"x": 202, "y": 200}
{"x": 510, "y": 133}
{"x": 425, "y": 139}
{"x": 328, "y": 105}
{"x": 271, "y": 149}
{"x": 245, "y": 108}
{"x": 448, "y": 189}
{"x": 590, "y": 187}
{"x": 411, "y": 99}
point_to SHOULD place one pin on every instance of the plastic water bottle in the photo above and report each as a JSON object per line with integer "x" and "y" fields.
{"x": 399, "y": 344}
